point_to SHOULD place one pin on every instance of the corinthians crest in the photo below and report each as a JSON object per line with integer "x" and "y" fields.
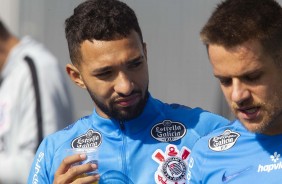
{"x": 172, "y": 165}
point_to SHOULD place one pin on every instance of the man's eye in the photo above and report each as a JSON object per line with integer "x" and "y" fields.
{"x": 103, "y": 74}
{"x": 225, "y": 82}
{"x": 135, "y": 64}
{"x": 253, "y": 77}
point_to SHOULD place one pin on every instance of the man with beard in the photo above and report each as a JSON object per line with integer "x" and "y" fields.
{"x": 140, "y": 139}
{"x": 244, "y": 43}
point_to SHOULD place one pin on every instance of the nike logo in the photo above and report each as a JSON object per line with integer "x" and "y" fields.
{"x": 226, "y": 178}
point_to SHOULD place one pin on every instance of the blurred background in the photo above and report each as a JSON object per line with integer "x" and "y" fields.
{"x": 178, "y": 64}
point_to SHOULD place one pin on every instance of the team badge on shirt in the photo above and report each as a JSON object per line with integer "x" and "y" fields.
{"x": 88, "y": 140}
{"x": 168, "y": 131}
{"x": 224, "y": 141}
{"x": 172, "y": 165}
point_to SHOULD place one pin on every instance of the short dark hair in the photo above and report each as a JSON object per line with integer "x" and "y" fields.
{"x": 4, "y": 32}
{"x": 100, "y": 20}
{"x": 236, "y": 21}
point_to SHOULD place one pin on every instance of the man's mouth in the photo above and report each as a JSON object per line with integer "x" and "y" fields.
{"x": 248, "y": 113}
{"x": 129, "y": 100}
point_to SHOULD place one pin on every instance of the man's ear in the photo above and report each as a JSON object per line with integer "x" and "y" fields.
{"x": 75, "y": 75}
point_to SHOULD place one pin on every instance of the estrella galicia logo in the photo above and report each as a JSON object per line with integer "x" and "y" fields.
{"x": 224, "y": 141}
{"x": 88, "y": 140}
{"x": 168, "y": 131}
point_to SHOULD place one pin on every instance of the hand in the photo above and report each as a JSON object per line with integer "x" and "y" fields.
{"x": 67, "y": 173}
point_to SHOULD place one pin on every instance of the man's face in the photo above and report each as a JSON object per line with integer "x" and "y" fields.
{"x": 115, "y": 73}
{"x": 252, "y": 85}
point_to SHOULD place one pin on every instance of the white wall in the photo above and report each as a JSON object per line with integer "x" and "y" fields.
{"x": 9, "y": 14}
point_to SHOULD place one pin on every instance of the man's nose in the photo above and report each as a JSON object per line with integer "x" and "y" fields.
{"x": 123, "y": 84}
{"x": 239, "y": 92}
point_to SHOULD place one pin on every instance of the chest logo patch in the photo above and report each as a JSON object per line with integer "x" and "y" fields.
{"x": 88, "y": 140}
{"x": 172, "y": 165}
{"x": 168, "y": 131}
{"x": 224, "y": 141}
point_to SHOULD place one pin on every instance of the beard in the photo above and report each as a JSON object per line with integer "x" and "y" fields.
{"x": 270, "y": 116}
{"x": 121, "y": 113}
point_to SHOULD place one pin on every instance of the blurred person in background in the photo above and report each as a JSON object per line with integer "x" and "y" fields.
{"x": 34, "y": 102}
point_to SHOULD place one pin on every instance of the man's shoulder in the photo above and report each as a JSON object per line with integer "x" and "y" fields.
{"x": 37, "y": 52}
{"x": 197, "y": 119}
{"x": 175, "y": 108}
{"x": 196, "y": 111}
{"x": 67, "y": 133}
{"x": 221, "y": 138}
